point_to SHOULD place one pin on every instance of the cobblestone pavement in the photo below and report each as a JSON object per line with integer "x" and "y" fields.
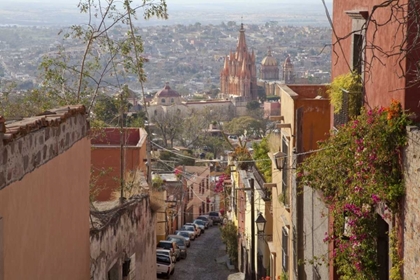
{"x": 206, "y": 259}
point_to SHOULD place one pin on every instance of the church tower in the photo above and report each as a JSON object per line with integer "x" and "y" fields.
{"x": 288, "y": 72}
{"x": 269, "y": 70}
{"x": 238, "y": 78}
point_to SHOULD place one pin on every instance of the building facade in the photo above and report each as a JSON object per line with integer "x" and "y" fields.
{"x": 106, "y": 159}
{"x": 44, "y": 190}
{"x": 238, "y": 77}
{"x": 393, "y": 77}
{"x": 298, "y": 221}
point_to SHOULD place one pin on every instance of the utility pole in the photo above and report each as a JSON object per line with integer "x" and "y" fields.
{"x": 251, "y": 182}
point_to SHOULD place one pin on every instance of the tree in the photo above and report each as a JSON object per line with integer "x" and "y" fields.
{"x": 168, "y": 124}
{"x": 262, "y": 160}
{"x": 106, "y": 62}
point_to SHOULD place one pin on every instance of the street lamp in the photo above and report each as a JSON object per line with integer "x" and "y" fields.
{"x": 279, "y": 158}
{"x": 260, "y": 221}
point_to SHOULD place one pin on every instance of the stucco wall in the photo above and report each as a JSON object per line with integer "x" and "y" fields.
{"x": 22, "y": 155}
{"x": 315, "y": 225}
{"x": 124, "y": 236}
{"x": 107, "y": 159}
{"x": 412, "y": 205}
{"x": 383, "y": 77}
{"x": 45, "y": 215}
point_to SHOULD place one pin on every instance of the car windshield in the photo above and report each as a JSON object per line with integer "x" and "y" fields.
{"x": 165, "y": 245}
{"x": 200, "y": 222}
{"x": 178, "y": 241}
{"x": 202, "y": 218}
{"x": 185, "y": 234}
{"x": 189, "y": 228}
{"x": 214, "y": 214}
{"x": 163, "y": 259}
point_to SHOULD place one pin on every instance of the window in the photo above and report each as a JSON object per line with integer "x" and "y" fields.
{"x": 357, "y": 53}
{"x": 172, "y": 100}
{"x": 114, "y": 272}
{"x": 285, "y": 249}
{"x": 163, "y": 100}
{"x": 132, "y": 275}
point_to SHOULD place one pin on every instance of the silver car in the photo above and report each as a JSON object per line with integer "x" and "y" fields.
{"x": 200, "y": 224}
{"x": 186, "y": 234}
{"x": 207, "y": 219}
{"x": 181, "y": 243}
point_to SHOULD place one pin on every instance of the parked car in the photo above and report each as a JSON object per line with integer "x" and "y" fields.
{"x": 197, "y": 229}
{"x": 181, "y": 242}
{"x": 189, "y": 229}
{"x": 170, "y": 245}
{"x": 215, "y": 216}
{"x": 207, "y": 219}
{"x": 201, "y": 224}
{"x": 167, "y": 253}
{"x": 186, "y": 234}
{"x": 164, "y": 265}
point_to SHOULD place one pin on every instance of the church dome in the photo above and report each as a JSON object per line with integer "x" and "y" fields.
{"x": 269, "y": 60}
{"x": 168, "y": 92}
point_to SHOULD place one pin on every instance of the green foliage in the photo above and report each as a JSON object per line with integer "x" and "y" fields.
{"x": 357, "y": 169}
{"x": 262, "y": 159}
{"x": 157, "y": 183}
{"x": 351, "y": 83}
{"x": 230, "y": 238}
{"x": 253, "y": 105}
{"x": 246, "y": 125}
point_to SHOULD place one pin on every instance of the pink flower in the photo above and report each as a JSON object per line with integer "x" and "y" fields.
{"x": 375, "y": 198}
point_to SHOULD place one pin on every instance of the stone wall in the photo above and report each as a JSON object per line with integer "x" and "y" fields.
{"x": 31, "y": 142}
{"x": 412, "y": 205}
{"x": 121, "y": 233}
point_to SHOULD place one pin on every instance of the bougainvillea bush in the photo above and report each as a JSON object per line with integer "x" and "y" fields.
{"x": 357, "y": 168}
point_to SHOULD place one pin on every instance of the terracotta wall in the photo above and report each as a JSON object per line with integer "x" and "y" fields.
{"x": 384, "y": 80}
{"x": 45, "y": 219}
{"x": 106, "y": 158}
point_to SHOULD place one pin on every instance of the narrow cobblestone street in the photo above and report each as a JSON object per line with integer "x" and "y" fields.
{"x": 206, "y": 259}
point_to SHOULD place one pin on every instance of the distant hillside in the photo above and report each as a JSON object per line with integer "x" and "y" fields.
{"x": 65, "y": 12}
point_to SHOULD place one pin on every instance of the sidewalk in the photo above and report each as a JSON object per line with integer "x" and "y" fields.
{"x": 236, "y": 276}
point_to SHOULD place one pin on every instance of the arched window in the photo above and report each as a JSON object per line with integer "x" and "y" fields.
{"x": 163, "y": 100}
{"x": 155, "y": 113}
{"x": 172, "y": 100}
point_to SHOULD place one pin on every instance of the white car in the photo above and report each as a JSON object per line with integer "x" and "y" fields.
{"x": 165, "y": 266}
{"x": 166, "y": 253}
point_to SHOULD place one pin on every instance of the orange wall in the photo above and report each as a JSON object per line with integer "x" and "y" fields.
{"x": 46, "y": 219}
{"x": 108, "y": 158}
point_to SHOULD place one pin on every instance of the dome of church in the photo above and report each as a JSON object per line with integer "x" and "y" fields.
{"x": 269, "y": 61}
{"x": 168, "y": 92}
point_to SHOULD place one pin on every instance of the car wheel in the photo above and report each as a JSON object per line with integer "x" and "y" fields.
{"x": 172, "y": 272}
